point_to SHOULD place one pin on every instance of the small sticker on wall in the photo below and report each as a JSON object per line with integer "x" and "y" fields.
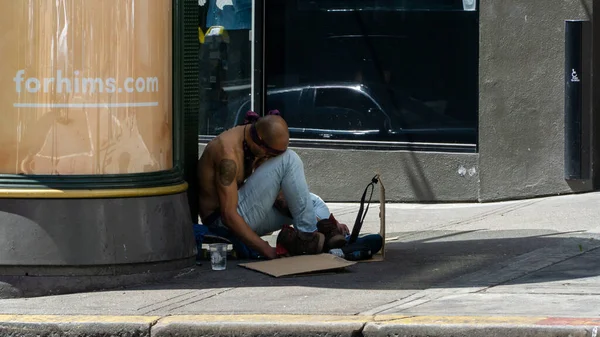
{"x": 463, "y": 171}
{"x": 574, "y": 76}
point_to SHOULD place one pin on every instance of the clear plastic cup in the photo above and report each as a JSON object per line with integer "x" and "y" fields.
{"x": 218, "y": 255}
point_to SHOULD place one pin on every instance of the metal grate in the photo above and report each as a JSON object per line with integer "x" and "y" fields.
{"x": 191, "y": 98}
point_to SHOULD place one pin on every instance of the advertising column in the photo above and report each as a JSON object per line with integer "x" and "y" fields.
{"x": 93, "y": 193}
{"x": 85, "y": 87}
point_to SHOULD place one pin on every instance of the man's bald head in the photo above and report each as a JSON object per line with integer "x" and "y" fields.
{"x": 274, "y": 131}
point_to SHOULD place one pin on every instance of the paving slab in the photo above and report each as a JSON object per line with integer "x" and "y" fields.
{"x": 517, "y": 268}
{"x": 560, "y": 213}
{"x": 557, "y": 305}
{"x": 429, "y": 268}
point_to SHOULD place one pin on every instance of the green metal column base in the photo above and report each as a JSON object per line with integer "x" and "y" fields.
{"x": 87, "y": 242}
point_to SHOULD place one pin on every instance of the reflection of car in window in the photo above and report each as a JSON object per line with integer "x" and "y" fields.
{"x": 348, "y": 111}
{"x": 356, "y": 111}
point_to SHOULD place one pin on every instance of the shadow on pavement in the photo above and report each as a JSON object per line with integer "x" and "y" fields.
{"x": 442, "y": 261}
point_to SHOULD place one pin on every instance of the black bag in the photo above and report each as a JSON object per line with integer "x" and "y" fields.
{"x": 354, "y": 251}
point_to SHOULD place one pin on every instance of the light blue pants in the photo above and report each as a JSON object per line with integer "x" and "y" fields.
{"x": 257, "y": 196}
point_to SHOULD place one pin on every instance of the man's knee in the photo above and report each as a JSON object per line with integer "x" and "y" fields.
{"x": 291, "y": 157}
{"x": 286, "y": 162}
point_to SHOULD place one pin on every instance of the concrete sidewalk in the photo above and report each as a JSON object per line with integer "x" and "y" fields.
{"x": 514, "y": 268}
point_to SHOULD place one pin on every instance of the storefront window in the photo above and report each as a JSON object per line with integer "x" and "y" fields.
{"x": 225, "y": 63}
{"x": 86, "y": 87}
{"x": 403, "y": 70}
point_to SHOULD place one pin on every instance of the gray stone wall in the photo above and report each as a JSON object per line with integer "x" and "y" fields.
{"x": 342, "y": 175}
{"x": 522, "y": 97}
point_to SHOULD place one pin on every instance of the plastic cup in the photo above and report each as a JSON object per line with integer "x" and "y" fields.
{"x": 218, "y": 255}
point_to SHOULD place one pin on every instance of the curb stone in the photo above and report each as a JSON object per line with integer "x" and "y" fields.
{"x": 71, "y": 326}
{"x": 471, "y": 326}
{"x": 294, "y": 326}
{"x": 260, "y": 325}
{"x": 469, "y": 330}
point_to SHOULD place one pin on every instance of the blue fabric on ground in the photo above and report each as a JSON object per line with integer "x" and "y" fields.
{"x": 199, "y": 232}
{"x": 242, "y": 251}
{"x": 373, "y": 241}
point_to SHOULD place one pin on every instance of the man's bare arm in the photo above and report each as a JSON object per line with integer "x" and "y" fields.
{"x": 226, "y": 173}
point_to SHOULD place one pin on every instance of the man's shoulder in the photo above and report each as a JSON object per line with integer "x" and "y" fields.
{"x": 225, "y": 145}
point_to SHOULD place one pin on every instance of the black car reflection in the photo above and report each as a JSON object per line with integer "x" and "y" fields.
{"x": 350, "y": 111}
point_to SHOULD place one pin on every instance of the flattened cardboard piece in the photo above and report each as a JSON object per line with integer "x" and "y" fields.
{"x": 295, "y": 265}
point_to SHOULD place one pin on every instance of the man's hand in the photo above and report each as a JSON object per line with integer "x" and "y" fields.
{"x": 271, "y": 253}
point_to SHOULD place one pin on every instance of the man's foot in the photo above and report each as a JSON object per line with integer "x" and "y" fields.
{"x": 300, "y": 243}
{"x": 334, "y": 237}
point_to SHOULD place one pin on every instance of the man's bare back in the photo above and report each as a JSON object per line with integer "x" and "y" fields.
{"x": 230, "y": 141}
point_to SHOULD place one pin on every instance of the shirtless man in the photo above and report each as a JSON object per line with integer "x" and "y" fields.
{"x": 240, "y": 175}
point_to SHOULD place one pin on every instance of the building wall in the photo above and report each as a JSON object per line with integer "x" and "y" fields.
{"x": 521, "y": 126}
{"x": 522, "y": 97}
{"x": 342, "y": 175}
{"x": 521, "y": 121}
{"x": 521, "y": 118}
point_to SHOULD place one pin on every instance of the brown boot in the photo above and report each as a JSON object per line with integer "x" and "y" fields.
{"x": 300, "y": 243}
{"x": 334, "y": 238}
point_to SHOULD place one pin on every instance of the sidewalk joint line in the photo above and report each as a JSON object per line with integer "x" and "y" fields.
{"x": 390, "y": 305}
{"x": 169, "y": 299}
{"x": 181, "y": 301}
{"x": 204, "y": 298}
{"x": 394, "y": 319}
